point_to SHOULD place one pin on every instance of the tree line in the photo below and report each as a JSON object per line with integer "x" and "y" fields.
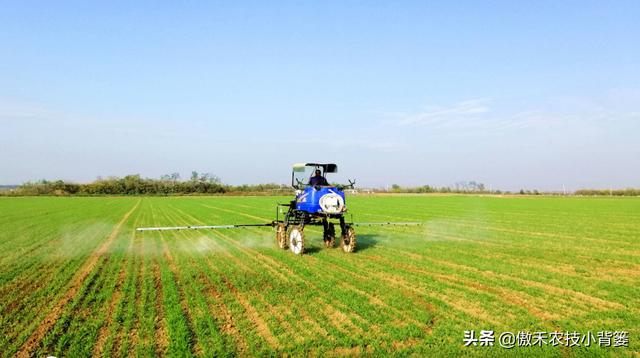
{"x": 479, "y": 188}
{"x": 608, "y": 192}
{"x": 170, "y": 184}
{"x": 207, "y": 183}
{"x": 461, "y": 187}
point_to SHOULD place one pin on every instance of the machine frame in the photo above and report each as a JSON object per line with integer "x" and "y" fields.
{"x": 299, "y": 214}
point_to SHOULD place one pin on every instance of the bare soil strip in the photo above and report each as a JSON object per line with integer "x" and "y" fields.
{"x": 356, "y": 351}
{"x": 162, "y": 332}
{"x": 36, "y": 337}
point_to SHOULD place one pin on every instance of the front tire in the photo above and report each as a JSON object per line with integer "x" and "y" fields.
{"x": 329, "y": 235}
{"x": 349, "y": 240}
{"x": 296, "y": 240}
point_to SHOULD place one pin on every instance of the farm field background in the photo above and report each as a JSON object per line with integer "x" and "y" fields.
{"x": 76, "y": 279}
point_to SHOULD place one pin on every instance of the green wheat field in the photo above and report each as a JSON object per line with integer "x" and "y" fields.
{"x": 76, "y": 279}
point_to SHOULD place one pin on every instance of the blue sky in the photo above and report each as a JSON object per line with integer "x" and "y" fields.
{"x": 510, "y": 94}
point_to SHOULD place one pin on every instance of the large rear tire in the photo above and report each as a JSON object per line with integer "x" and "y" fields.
{"x": 349, "y": 240}
{"x": 281, "y": 236}
{"x": 296, "y": 240}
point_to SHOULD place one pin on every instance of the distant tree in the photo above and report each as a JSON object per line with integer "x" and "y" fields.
{"x": 209, "y": 178}
{"x": 170, "y": 177}
{"x": 473, "y": 185}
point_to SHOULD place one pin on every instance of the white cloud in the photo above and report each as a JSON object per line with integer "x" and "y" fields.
{"x": 562, "y": 113}
{"x": 11, "y": 110}
{"x": 437, "y": 115}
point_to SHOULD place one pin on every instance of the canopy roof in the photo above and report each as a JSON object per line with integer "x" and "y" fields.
{"x": 326, "y": 167}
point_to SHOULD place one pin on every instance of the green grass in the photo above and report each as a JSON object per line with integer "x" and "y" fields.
{"x": 477, "y": 263}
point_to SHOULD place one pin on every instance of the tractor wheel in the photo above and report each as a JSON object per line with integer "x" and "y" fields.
{"x": 296, "y": 240}
{"x": 330, "y": 235}
{"x": 281, "y": 236}
{"x": 349, "y": 240}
